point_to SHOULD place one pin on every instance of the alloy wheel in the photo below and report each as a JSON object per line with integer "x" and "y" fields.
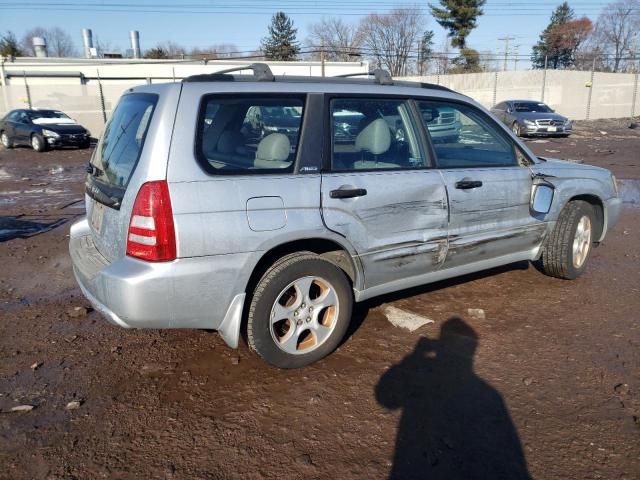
{"x": 581, "y": 241}
{"x": 304, "y": 315}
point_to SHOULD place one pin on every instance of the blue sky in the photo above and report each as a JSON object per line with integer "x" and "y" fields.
{"x": 244, "y": 22}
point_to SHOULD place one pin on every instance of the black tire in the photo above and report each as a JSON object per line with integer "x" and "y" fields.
{"x": 557, "y": 258}
{"x": 84, "y": 145}
{"x": 38, "y": 143}
{"x": 280, "y": 275}
{"x": 515, "y": 128}
{"x": 6, "y": 140}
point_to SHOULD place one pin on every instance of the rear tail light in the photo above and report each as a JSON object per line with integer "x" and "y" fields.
{"x": 151, "y": 234}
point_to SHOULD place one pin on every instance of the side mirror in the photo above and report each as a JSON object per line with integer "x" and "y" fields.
{"x": 508, "y": 110}
{"x": 542, "y": 197}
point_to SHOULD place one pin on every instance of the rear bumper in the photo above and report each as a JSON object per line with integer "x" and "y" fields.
{"x": 200, "y": 292}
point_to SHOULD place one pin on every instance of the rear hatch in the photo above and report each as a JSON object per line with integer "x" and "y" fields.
{"x": 117, "y": 169}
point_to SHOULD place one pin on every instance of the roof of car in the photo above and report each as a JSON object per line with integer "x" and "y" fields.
{"x": 525, "y": 101}
{"x": 262, "y": 73}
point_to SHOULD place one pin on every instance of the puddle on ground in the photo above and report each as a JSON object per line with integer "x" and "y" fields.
{"x": 15, "y": 227}
{"x": 630, "y": 191}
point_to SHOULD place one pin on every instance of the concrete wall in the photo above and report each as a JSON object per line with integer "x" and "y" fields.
{"x": 565, "y": 91}
{"x": 75, "y": 88}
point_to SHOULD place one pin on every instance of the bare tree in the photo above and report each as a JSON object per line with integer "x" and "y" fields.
{"x": 442, "y": 59}
{"x": 59, "y": 42}
{"x": 615, "y": 30}
{"x": 339, "y": 40}
{"x": 389, "y": 39}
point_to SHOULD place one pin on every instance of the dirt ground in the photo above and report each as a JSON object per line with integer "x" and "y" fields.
{"x": 543, "y": 383}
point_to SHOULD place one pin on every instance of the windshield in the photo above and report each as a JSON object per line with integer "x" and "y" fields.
{"x": 119, "y": 148}
{"x": 531, "y": 107}
{"x": 47, "y": 114}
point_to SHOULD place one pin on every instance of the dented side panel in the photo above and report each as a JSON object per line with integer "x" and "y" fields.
{"x": 399, "y": 228}
{"x": 492, "y": 220}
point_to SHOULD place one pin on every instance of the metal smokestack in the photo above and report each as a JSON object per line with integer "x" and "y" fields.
{"x": 134, "y": 38}
{"x": 87, "y": 41}
{"x": 39, "y": 46}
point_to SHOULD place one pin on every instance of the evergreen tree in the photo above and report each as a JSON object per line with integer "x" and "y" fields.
{"x": 9, "y": 46}
{"x": 459, "y": 17}
{"x": 425, "y": 51}
{"x": 562, "y": 15}
{"x": 281, "y": 43}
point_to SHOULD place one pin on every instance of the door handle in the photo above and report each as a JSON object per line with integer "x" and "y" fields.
{"x": 467, "y": 184}
{"x": 348, "y": 193}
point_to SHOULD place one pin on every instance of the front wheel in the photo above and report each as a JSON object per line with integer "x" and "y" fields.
{"x": 6, "y": 141}
{"x": 515, "y": 128}
{"x": 300, "y": 311}
{"x": 566, "y": 250}
{"x": 38, "y": 144}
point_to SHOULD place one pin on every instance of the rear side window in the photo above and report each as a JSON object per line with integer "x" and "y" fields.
{"x": 373, "y": 134}
{"x": 119, "y": 148}
{"x": 464, "y": 137}
{"x": 249, "y": 135}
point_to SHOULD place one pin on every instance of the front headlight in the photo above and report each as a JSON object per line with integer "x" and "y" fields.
{"x": 50, "y": 133}
{"x": 567, "y": 123}
{"x": 615, "y": 185}
{"x": 529, "y": 122}
{"x": 87, "y": 133}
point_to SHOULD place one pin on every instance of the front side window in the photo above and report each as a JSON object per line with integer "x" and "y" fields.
{"x": 464, "y": 137}
{"x": 371, "y": 134}
{"x": 246, "y": 135}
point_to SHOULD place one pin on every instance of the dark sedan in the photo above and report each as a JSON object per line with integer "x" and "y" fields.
{"x": 531, "y": 118}
{"x": 42, "y": 129}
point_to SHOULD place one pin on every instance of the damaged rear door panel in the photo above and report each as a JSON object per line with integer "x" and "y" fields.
{"x": 380, "y": 192}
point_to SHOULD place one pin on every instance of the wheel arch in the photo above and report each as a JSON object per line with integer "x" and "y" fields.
{"x": 330, "y": 249}
{"x": 598, "y": 209}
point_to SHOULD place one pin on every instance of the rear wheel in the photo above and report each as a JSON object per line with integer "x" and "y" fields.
{"x": 38, "y": 144}
{"x": 6, "y": 141}
{"x": 569, "y": 244}
{"x": 300, "y": 311}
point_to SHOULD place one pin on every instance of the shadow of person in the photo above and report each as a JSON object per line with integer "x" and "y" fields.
{"x": 454, "y": 425}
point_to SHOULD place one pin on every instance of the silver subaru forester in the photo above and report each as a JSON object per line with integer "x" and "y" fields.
{"x": 263, "y": 205}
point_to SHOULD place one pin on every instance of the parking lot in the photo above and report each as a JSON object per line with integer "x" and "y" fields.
{"x": 518, "y": 376}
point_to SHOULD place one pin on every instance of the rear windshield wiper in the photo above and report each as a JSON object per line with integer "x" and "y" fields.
{"x": 98, "y": 194}
{"x": 93, "y": 170}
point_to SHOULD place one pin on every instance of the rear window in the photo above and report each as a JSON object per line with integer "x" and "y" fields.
{"x": 249, "y": 135}
{"x": 117, "y": 153}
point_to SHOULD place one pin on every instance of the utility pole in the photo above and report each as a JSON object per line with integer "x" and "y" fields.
{"x": 516, "y": 49}
{"x": 322, "y": 58}
{"x": 506, "y": 48}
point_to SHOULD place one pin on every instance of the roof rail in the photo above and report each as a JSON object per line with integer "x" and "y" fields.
{"x": 261, "y": 73}
{"x": 381, "y": 76}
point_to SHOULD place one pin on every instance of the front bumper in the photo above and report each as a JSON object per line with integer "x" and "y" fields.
{"x": 75, "y": 140}
{"x": 199, "y": 292}
{"x": 612, "y": 209}
{"x": 535, "y": 130}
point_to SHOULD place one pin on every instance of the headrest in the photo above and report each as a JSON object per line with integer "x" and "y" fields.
{"x": 374, "y": 138}
{"x": 274, "y": 148}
